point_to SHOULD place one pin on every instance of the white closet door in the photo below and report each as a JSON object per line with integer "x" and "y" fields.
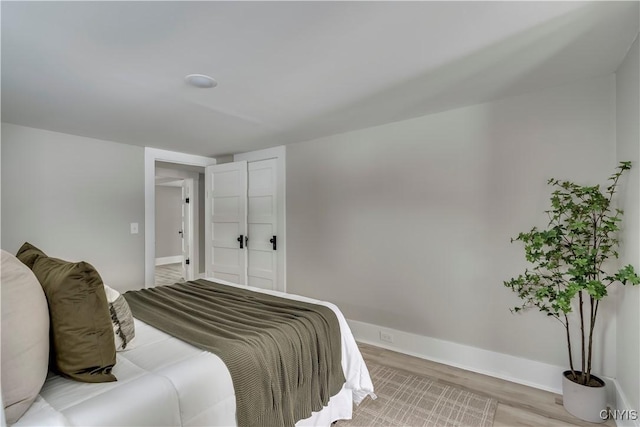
{"x": 226, "y": 225}
{"x": 263, "y": 225}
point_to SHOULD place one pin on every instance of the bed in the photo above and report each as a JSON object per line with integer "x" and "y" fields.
{"x": 163, "y": 381}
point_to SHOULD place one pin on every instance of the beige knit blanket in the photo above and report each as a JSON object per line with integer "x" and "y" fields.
{"x": 284, "y": 356}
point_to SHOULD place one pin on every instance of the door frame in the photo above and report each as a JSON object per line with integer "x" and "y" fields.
{"x": 278, "y": 153}
{"x": 151, "y": 155}
{"x": 188, "y": 235}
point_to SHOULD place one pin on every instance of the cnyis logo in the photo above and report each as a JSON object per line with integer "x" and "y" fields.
{"x": 619, "y": 415}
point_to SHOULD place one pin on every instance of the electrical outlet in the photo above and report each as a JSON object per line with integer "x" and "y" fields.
{"x": 386, "y": 337}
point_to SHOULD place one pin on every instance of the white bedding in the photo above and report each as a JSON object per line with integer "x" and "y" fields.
{"x": 163, "y": 381}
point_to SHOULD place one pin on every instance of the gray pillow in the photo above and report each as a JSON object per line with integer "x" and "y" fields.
{"x": 122, "y": 319}
{"x": 25, "y": 337}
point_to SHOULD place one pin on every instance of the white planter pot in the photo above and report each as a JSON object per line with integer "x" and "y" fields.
{"x": 584, "y": 402}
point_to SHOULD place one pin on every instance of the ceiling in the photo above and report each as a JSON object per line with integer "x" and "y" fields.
{"x": 287, "y": 71}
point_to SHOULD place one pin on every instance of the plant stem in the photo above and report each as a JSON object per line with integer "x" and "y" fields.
{"x": 566, "y": 326}
{"x": 582, "y": 337}
{"x": 593, "y": 276}
{"x": 594, "y": 313}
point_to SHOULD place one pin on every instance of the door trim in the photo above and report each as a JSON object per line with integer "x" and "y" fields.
{"x": 151, "y": 155}
{"x": 189, "y": 270}
{"x": 278, "y": 153}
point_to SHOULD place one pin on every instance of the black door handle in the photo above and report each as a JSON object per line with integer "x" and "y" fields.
{"x": 241, "y": 240}
{"x": 273, "y": 241}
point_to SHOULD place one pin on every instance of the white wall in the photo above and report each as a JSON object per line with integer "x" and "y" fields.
{"x": 628, "y": 148}
{"x": 74, "y": 197}
{"x": 407, "y": 225}
{"x": 168, "y": 221}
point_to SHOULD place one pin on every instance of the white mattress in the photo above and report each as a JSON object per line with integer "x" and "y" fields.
{"x": 163, "y": 381}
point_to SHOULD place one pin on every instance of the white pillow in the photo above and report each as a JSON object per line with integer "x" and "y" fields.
{"x": 25, "y": 337}
{"x": 122, "y": 319}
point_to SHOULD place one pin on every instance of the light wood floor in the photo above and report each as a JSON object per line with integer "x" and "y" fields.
{"x": 518, "y": 405}
{"x": 168, "y": 274}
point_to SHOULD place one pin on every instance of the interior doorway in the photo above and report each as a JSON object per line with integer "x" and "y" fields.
{"x": 174, "y": 228}
{"x": 176, "y": 166}
{"x": 178, "y": 212}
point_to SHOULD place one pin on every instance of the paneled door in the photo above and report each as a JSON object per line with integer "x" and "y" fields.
{"x": 226, "y": 221}
{"x": 263, "y": 225}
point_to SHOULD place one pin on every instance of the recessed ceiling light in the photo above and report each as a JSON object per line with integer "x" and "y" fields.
{"x": 201, "y": 81}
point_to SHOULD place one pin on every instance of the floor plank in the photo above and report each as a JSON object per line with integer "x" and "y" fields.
{"x": 518, "y": 405}
{"x": 168, "y": 274}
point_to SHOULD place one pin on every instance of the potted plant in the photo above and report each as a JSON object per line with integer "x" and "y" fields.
{"x": 570, "y": 259}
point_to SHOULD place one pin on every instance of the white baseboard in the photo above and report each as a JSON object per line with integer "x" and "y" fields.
{"x": 622, "y": 404}
{"x": 510, "y": 368}
{"x": 169, "y": 260}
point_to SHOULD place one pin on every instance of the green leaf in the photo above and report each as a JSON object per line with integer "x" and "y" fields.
{"x": 627, "y": 274}
{"x": 596, "y": 289}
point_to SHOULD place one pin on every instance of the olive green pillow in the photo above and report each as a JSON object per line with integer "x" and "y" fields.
{"x": 28, "y": 254}
{"x": 81, "y": 331}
